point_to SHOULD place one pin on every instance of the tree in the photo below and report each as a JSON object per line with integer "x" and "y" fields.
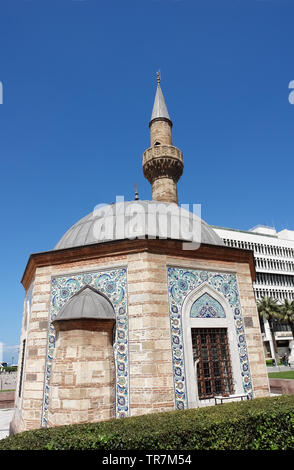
{"x": 269, "y": 309}
{"x": 287, "y": 314}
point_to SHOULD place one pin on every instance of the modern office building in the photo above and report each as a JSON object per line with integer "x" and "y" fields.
{"x": 274, "y": 264}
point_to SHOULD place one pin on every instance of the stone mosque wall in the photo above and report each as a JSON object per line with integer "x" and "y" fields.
{"x": 149, "y": 364}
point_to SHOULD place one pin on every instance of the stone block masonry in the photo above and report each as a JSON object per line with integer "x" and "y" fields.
{"x": 8, "y": 380}
{"x": 82, "y": 378}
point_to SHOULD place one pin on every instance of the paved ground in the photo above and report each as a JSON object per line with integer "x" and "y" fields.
{"x": 279, "y": 368}
{"x": 5, "y": 418}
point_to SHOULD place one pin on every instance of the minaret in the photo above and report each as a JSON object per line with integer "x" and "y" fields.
{"x": 162, "y": 162}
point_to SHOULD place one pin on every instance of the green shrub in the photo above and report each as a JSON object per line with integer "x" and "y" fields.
{"x": 266, "y": 423}
{"x": 10, "y": 369}
{"x": 269, "y": 362}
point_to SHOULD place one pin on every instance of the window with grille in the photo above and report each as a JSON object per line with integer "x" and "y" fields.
{"x": 212, "y": 359}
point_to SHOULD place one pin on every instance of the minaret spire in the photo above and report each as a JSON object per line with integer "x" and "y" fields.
{"x": 159, "y": 107}
{"x": 162, "y": 162}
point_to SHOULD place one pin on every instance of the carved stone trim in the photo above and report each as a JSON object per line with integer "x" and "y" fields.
{"x": 167, "y": 151}
{"x": 163, "y": 161}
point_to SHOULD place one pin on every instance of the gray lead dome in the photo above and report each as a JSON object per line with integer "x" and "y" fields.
{"x": 139, "y": 219}
{"x": 86, "y": 304}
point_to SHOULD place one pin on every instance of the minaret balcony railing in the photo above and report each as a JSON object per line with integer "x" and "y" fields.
{"x": 161, "y": 151}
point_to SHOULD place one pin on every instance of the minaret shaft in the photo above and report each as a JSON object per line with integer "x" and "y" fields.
{"x": 160, "y": 133}
{"x": 165, "y": 190}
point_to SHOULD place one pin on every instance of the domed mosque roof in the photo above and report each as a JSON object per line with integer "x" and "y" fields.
{"x": 139, "y": 219}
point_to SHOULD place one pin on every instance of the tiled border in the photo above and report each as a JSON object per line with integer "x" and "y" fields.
{"x": 112, "y": 283}
{"x": 181, "y": 282}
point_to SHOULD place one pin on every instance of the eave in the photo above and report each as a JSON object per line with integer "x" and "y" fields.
{"x": 110, "y": 249}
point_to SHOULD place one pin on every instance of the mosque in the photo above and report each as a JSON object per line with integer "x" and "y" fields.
{"x": 139, "y": 308}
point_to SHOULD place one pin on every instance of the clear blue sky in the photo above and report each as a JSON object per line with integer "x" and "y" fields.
{"x": 79, "y": 83}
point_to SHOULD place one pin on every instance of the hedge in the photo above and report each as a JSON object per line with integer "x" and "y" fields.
{"x": 264, "y": 424}
{"x": 9, "y": 369}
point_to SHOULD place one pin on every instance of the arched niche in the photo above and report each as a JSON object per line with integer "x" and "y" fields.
{"x": 221, "y": 319}
{"x": 82, "y": 383}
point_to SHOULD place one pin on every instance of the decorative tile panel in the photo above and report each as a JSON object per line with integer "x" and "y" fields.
{"x": 113, "y": 284}
{"x": 180, "y": 283}
{"x": 207, "y": 307}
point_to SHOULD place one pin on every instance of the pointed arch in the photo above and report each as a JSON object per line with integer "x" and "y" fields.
{"x": 207, "y": 307}
{"x": 208, "y": 290}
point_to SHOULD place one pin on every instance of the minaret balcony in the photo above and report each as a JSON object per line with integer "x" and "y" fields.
{"x": 162, "y": 151}
{"x": 162, "y": 161}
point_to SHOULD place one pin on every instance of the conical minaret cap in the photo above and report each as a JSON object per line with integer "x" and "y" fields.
{"x": 159, "y": 107}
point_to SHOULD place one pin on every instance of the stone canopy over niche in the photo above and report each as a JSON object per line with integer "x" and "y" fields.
{"x": 87, "y": 303}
